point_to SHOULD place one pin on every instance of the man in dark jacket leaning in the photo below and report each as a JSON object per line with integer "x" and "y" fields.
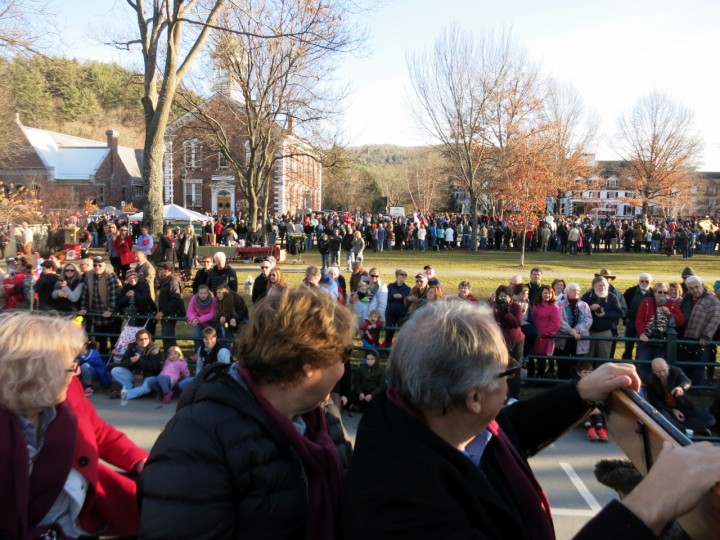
{"x": 667, "y": 389}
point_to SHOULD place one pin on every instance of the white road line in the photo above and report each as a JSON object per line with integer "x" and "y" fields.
{"x": 581, "y": 487}
{"x": 572, "y": 512}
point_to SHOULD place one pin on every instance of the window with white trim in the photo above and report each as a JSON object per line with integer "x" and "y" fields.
{"x": 193, "y": 194}
{"x": 192, "y": 154}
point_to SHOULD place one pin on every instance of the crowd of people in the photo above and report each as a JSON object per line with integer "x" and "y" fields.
{"x": 257, "y": 446}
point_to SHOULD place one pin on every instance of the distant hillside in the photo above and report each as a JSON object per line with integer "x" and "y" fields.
{"x": 386, "y": 154}
{"x": 82, "y": 99}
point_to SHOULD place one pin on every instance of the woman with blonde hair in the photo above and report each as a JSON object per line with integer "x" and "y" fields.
{"x": 277, "y": 282}
{"x": 263, "y": 421}
{"x": 52, "y": 441}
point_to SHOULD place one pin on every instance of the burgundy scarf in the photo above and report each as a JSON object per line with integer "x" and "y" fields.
{"x": 321, "y": 459}
{"x": 26, "y": 499}
{"x": 531, "y": 500}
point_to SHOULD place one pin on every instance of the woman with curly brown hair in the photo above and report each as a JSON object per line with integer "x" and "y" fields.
{"x": 251, "y": 451}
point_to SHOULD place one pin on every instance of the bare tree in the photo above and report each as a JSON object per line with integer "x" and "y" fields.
{"x": 427, "y": 181}
{"x": 273, "y": 86}
{"x": 658, "y": 141}
{"x": 168, "y": 52}
{"x": 570, "y": 130}
{"x": 25, "y": 26}
{"x": 454, "y": 83}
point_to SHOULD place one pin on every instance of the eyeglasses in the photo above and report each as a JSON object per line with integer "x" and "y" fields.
{"x": 265, "y": 267}
{"x": 644, "y": 281}
{"x": 73, "y": 368}
{"x": 512, "y": 370}
{"x": 70, "y": 270}
{"x": 661, "y": 292}
{"x": 375, "y": 275}
{"x": 346, "y": 354}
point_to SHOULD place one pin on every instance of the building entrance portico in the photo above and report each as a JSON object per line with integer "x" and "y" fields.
{"x": 222, "y": 195}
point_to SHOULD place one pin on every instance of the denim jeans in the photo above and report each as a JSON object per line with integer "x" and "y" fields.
{"x": 124, "y": 376}
{"x": 350, "y": 258}
{"x": 645, "y": 354}
{"x": 161, "y": 383}
{"x": 198, "y": 336}
{"x": 88, "y": 374}
{"x": 325, "y": 259}
{"x": 185, "y": 382}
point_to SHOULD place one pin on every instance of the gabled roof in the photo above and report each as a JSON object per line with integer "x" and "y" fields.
{"x": 76, "y": 158}
{"x": 132, "y": 160}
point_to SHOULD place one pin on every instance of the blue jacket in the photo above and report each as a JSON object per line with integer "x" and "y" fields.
{"x": 93, "y": 358}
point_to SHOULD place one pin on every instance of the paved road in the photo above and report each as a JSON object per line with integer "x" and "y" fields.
{"x": 565, "y": 469}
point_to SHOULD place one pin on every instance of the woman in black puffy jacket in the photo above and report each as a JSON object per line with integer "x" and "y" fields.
{"x": 251, "y": 451}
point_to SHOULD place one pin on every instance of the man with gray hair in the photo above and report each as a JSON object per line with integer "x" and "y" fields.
{"x": 222, "y": 273}
{"x": 437, "y": 454}
{"x": 701, "y": 310}
{"x": 633, "y": 297}
{"x": 605, "y": 309}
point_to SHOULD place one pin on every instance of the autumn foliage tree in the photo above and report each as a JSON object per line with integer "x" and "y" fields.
{"x": 662, "y": 150}
{"x": 18, "y": 204}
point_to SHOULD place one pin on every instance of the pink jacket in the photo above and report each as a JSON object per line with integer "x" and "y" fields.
{"x": 176, "y": 370}
{"x": 205, "y": 316}
{"x": 547, "y": 322}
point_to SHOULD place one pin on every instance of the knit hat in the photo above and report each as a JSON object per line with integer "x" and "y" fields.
{"x": 688, "y": 271}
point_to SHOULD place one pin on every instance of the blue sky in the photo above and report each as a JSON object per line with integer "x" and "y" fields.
{"x": 613, "y": 52}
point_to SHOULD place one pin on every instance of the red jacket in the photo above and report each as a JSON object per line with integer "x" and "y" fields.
{"x": 646, "y": 311}
{"x": 110, "y": 508}
{"x": 13, "y": 296}
{"x": 124, "y": 248}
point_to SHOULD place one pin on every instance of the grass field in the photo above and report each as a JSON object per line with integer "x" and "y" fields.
{"x": 488, "y": 269}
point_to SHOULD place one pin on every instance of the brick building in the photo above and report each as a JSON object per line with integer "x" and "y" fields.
{"x": 199, "y": 177}
{"x": 85, "y": 169}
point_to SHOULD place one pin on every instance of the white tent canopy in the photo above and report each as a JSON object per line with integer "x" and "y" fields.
{"x": 175, "y": 212}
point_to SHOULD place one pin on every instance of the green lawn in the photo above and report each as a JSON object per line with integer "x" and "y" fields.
{"x": 488, "y": 269}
